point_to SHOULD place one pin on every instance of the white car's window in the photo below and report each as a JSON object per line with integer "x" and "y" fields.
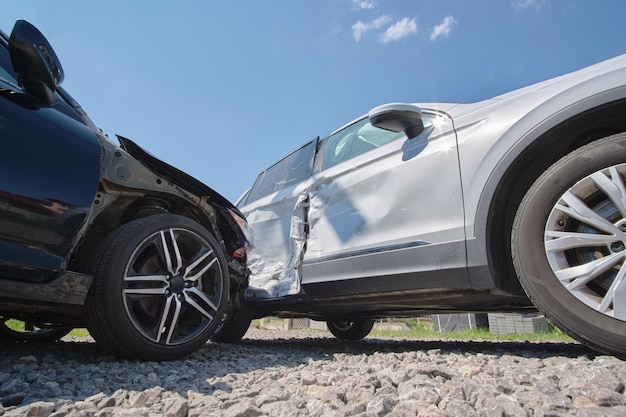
{"x": 356, "y": 139}
{"x": 292, "y": 169}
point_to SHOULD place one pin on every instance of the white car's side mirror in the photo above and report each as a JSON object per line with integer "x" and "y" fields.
{"x": 398, "y": 117}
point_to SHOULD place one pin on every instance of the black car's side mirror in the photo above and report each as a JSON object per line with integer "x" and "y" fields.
{"x": 398, "y": 117}
{"x": 38, "y": 68}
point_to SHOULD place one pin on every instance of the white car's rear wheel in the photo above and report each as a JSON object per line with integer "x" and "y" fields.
{"x": 569, "y": 244}
{"x": 350, "y": 330}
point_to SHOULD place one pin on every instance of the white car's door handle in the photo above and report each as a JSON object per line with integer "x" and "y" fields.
{"x": 319, "y": 182}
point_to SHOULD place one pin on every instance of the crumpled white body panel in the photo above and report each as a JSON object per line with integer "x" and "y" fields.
{"x": 405, "y": 192}
{"x": 279, "y": 241}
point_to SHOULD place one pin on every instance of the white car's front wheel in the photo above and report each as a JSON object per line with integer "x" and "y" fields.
{"x": 569, "y": 244}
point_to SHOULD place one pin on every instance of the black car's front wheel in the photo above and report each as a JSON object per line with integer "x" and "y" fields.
{"x": 160, "y": 289}
{"x": 350, "y": 330}
{"x": 234, "y": 327}
{"x": 569, "y": 244}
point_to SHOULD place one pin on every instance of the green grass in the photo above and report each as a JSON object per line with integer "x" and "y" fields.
{"x": 425, "y": 330}
{"x": 79, "y": 333}
{"x": 19, "y": 326}
{"x": 419, "y": 329}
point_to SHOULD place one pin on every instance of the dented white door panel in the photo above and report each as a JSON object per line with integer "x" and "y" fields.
{"x": 276, "y": 214}
{"x": 399, "y": 199}
{"x": 277, "y": 224}
{"x": 380, "y": 207}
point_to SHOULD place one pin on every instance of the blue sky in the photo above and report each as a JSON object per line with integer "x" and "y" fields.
{"x": 223, "y": 89}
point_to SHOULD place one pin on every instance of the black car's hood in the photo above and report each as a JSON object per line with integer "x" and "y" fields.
{"x": 174, "y": 175}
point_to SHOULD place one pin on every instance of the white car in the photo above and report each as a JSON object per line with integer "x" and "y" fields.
{"x": 509, "y": 204}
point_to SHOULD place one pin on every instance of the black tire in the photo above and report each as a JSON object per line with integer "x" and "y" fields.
{"x": 566, "y": 228}
{"x": 19, "y": 330}
{"x": 177, "y": 309}
{"x": 350, "y": 330}
{"x": 234, "y": 327}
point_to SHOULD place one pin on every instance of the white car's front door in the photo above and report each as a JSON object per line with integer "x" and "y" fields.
{"x": 382, "y": 205}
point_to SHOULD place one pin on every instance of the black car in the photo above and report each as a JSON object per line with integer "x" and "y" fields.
{"x": 99, "y": 235}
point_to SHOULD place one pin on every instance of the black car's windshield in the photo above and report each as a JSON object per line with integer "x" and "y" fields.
{"x": 6, "y": 68}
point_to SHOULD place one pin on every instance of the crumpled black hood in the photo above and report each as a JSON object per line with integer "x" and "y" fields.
{"x": 174, "y": 175}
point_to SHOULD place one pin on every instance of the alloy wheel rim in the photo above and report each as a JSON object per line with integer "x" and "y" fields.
{"x": 172, "y": 286}
{"x": 585, "y": 241}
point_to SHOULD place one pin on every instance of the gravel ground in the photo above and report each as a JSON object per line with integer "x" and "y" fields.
{"x": 279, "y": 373}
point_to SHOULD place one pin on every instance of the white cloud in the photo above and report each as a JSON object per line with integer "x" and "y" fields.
{"x": 364, "y": 4}
{"x": 359, "y": 28}
{"x": 443, "y": 29}
{"x": 399, "y": 30}
{"x": 520, "y": 5}
{"x": 336, "y": 30}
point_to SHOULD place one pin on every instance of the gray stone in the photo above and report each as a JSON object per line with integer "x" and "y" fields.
{"x": 605, "y": 397}
{"x": 39, "y": 409}
{"x": 243, "y": 409}
{"x": 277, "y": 373}
{"x": 431, "y": 411}
{"x": 381, "y": 405}
{"x": 601, "y": 412}
{"x": 12, "y": 400}
{"x": 500, "y": 405}
{"x": 456, "y": 408}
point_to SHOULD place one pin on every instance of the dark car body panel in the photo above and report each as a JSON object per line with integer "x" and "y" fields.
{"x": 43, "y": 205}
{"x": 175, "y": 175}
